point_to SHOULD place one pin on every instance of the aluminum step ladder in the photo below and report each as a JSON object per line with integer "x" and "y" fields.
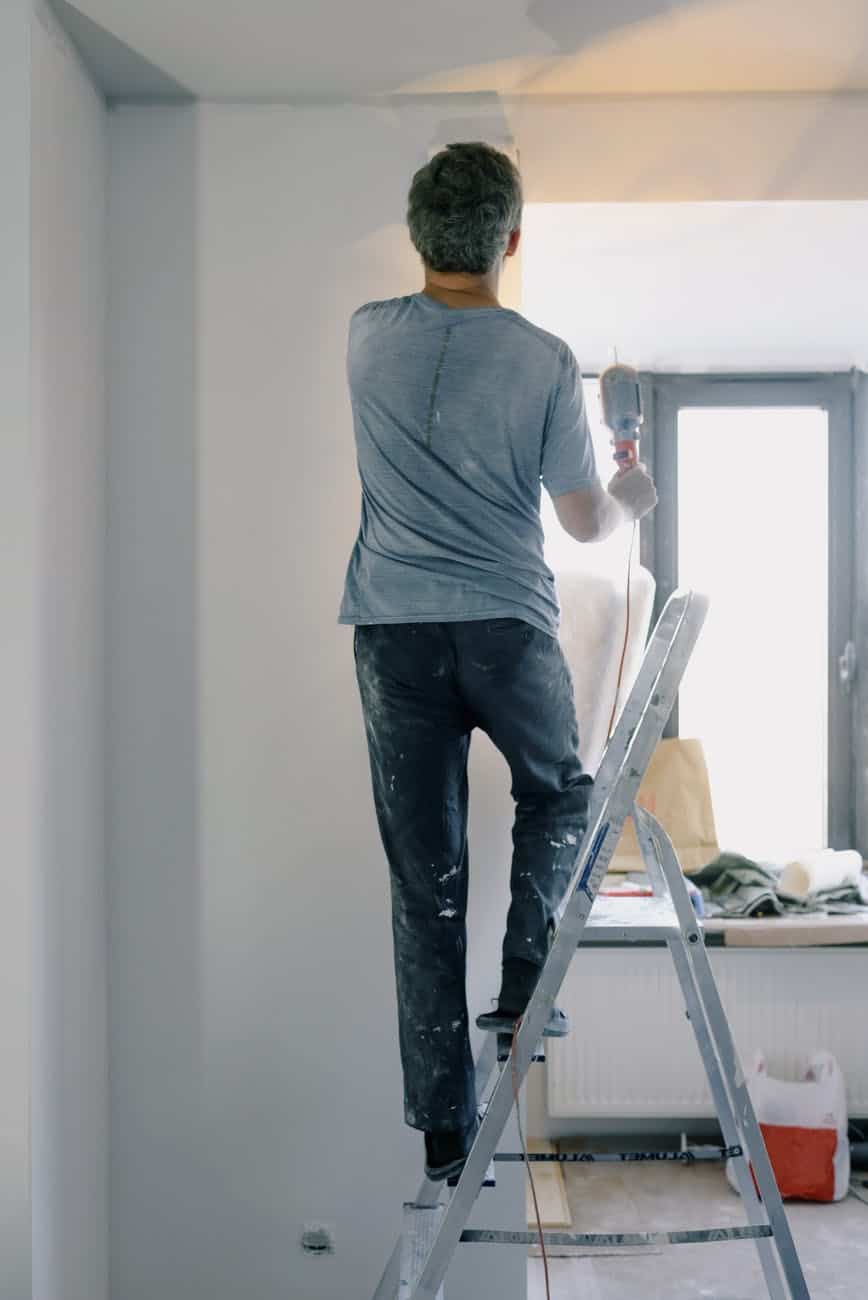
{"x": 433, "y": 1228}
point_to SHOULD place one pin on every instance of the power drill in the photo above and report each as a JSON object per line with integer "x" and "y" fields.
{"x": 621, "y": 400}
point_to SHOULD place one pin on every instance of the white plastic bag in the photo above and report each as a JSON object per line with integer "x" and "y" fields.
{"x": 804, "y": 1126}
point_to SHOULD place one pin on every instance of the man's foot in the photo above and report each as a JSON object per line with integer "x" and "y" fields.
{"x": 502, "y": 1021}
{"x": 446, "y": 1153}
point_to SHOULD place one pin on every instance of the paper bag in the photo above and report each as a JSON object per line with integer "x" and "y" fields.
{"x": 676, "y": 791}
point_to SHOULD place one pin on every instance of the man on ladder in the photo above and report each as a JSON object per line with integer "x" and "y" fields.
{"x": 461, "y": 409}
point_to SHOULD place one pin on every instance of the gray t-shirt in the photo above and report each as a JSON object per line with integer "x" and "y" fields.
{"x": 459, "y": 412}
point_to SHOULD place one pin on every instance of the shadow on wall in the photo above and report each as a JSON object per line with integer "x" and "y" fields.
{"x": 123, "y": 73}
{"x": 118, "y": 70}
{"x": 786, "y": 178}
{"x": 572, "y": 26}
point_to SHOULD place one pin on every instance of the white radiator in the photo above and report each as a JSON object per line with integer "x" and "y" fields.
{"x": 632, "y": 1054}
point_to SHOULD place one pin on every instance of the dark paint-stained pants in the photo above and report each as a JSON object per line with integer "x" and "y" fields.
{"x": 424, "y": 687}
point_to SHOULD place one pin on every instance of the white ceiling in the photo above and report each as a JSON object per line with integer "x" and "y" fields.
{"x": 341, "y": 49}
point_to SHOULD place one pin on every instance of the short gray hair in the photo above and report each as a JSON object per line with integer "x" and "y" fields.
{"x": 463, "y": 206}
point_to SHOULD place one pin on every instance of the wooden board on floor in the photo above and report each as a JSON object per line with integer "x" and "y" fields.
{"x": 626, "y": 1210}
{"x": 551, "y": 1192}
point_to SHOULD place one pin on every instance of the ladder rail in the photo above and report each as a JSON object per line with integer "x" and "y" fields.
{"x": 429, "y": 1192}
{"x": 641, "y": 726}
{"x": 420, "y": 1228}
{"x": 662, "y": 636}
{"x": 680, "y": 606}
{"x": 654, "y": 657}
{"x": 712, "y": 1015}
{"x": 610, "y": 1240}
{"x": 650, "y": 835}
{"x": 621, "y": 770}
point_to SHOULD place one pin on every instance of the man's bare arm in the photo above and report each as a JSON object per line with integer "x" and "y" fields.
{"x": 591, "y": 514}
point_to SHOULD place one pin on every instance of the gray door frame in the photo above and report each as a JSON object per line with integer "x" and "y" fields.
{"x": 664, "y": 396}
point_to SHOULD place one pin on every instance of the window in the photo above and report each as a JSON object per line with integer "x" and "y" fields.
{"x": 753, "y": 533}
{"x": 755, "y": 510}
{"x": 754, "y": 478}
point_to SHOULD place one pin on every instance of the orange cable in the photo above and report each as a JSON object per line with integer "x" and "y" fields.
{"x": 527, "y": 1161}
{"x": 626, "y": 636}
{"x": 515, "y": 1031}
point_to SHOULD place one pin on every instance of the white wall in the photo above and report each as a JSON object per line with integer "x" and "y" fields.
{"x": 161, "y": 1203}
{"x": 70, "y": 1070}
{"x": 255, "y": 1081}
{"x": 19, "y": 694}
{"x": 255, "y": 1076}
{"x": 688, "y": 286}
{"x": 690, "y": 148}
{"x": 296, "y": 894}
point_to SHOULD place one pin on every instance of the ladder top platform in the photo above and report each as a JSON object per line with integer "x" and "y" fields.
{"x": 631, "y": 920}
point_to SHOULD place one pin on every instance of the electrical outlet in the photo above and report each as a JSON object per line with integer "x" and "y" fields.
{"x": 318, "y": 1238}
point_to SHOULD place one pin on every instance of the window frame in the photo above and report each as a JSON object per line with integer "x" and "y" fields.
{"x": 664, "y": 395}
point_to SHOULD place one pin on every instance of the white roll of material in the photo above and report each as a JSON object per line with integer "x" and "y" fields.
{"x": 828, "y": 869}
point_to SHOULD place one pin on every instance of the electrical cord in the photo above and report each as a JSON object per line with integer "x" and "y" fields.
{"x": 526, "y": 1161}
{"x": 515, "y": 1086}
{"x": 626, "y": 635}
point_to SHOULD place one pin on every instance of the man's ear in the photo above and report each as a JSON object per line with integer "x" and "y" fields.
{"x": 513, "y": 243}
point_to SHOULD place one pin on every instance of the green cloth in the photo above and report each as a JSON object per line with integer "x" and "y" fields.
{"x": 735, "y": 886}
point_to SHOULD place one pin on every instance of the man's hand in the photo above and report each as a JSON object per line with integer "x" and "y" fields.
{"x": 634, "y": 492}
{"x": 590, "y": 514}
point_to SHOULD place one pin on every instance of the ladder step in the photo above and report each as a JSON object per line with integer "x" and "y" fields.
{"x": 488, "y": 1181}
{"x": 631, "y": 920}
{"x": 504, "y": 1049}
{"x": 624, "y": 1157}
{"x": 688, "y": 1237}
{"x": 421, "y": 1223}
